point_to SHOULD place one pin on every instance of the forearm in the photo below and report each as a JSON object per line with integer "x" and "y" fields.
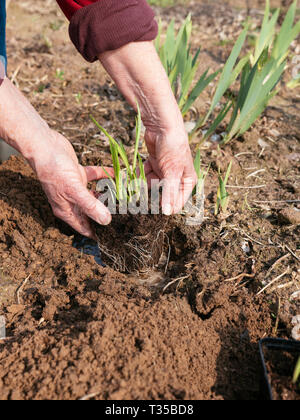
{"x": 140, "y": 76}
{"x": 20, "y": 124}
{"x": 54, "y": 161}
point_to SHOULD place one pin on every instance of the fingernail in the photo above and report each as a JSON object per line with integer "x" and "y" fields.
{"x": 167, "y": 210}
{"x": 105, "y": 220}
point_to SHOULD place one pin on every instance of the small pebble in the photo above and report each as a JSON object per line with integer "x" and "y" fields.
{"x": 296, "y": 320}
{"x": 295, "y": 295}
{"x": 294, "y": 157}
{"x": 245, "y": 247}
{"x": 189, "y": 126}
{"x": 290, "y": 216}
{"x": 274, "y": 132}
{"x": 215, "y": 138}
{"x": 296, "y": 332}
{"x": 262, "y": 143}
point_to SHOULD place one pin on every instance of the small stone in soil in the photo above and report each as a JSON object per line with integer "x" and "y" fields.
{"x": 290, "y": 216}
{"x": 262, "y": 144}
{"x": 189, "y": 126}
{"x": 295, "y": 295}
{"x": 215, "y": 138}
{"x": 296, "y": 332}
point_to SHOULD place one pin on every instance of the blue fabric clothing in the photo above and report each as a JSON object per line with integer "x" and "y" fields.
{"x": 2, "y": 32}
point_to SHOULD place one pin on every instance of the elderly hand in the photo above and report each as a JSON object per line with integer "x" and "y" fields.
{"x": 65, "y": 184}
{"x": 170, "y": 161}
{"x": 140, "y": 76}
{"x": 53, "y": 159}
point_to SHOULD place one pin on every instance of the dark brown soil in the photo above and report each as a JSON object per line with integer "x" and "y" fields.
{"x": 133, "y": 243}
{"x": 75, "y": 328}
{"x": 281, "y": 367}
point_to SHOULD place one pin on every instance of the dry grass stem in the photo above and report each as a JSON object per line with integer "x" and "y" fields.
{"x": 20, "y": 289}
{"x": 276, "y": 263}
{"x": 273, "y": 281}
{"x": 252, "y": 187}
{"x": 174, "y": 281}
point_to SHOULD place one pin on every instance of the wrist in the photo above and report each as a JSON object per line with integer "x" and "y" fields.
{"x": 34, "y": 148}
{"x": 20, "y": 125}
{"x": 140, "y": 76}
{"x": 37, "y": 152}
{"x": 174, "y": 141}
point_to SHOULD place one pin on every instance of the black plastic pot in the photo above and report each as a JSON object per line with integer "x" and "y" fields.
{"x": 276, "y": 344}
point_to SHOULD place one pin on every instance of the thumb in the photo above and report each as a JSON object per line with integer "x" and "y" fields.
{"x": 93, "y": 173}
{"x": 91, "y": 207}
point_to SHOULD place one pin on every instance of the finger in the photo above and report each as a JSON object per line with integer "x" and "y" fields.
{"x": 189, "y": 180}
{"x": 148, "y": 167}
{"x": 94, "y": 173}
{"x": 83, "y": 223}
{"x": 75, "y": 219}
{"x": 90, "y": 206}
{"x": 186, "y": 189}
{"x": 152, "y": 179}
{"x": 170, "y": 195}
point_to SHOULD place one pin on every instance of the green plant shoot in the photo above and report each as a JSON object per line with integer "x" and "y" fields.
{"x": 258, "y": 83}
{"x": 201, "y": 174}
{"x": 222, "y": 195}
{"x": 266, "y": 35}
{"x": 180, "y": 65}
{"x": 296, "y": 376}
{"x": 260, "y": 73}
{"x": 294, "y": 83}
{"x": 230, "y": 73}
{"x": 131, "y": 180}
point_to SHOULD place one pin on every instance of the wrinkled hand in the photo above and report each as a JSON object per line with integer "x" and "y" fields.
{"x": 170, "y": 160}
{"x": 65, "y": 184}
{"x": 139, "y": 74}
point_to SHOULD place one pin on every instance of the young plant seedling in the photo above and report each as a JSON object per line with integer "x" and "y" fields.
{"x": 201, "y": 174}
{"x": 129, "y": 183}
{"x": 296, "y": 376}
{"x": 222, "y": 195}
{"x": 294, "y": 83}
{"x": 230, "y": 73}
{"x": 260, "y": 73}
{"x": 194, "y": 208}
{"x": 59, "y": 74}
{"x": 136, "y": 238}
{"x": 259, "y": 80}
{"x": 181, "y": 66}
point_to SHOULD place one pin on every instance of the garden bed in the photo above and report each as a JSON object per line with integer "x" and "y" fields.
{"x": 76, "y": 328}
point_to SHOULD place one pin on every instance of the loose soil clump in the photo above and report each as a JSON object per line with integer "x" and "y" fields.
{"x": 132, "y": 243}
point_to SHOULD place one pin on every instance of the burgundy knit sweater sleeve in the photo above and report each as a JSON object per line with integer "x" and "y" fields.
{"x": 97, "y": 26}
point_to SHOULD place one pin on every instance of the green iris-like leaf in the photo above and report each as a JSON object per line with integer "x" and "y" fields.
{"x": 130, "y": 184}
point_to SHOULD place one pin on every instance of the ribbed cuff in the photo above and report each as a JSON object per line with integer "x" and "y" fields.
{"x": 110, "y": 24}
